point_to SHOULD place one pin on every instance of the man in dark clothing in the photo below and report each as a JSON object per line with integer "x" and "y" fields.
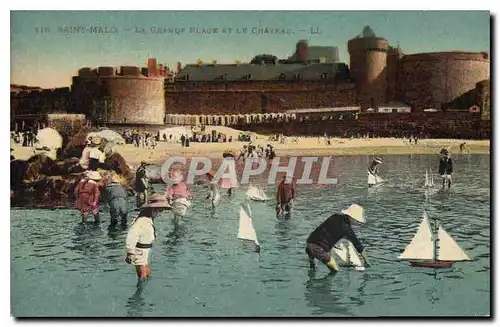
{"x": 117, "y": 200}
{"x": 338, "y": 226}
{"x": 183, "y": 140}
{"x": 284, "y": 197}
{"x": 445, "y": 167}
{"x": 141, "y": 185}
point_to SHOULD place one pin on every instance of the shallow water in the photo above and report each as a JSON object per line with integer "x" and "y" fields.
{"x": 62, "y": 268}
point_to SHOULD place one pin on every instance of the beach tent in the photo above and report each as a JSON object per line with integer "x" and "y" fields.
{"x": 177, "y": 132}
{"x": 50, "y": 138}
{"x": 109, "y": 135}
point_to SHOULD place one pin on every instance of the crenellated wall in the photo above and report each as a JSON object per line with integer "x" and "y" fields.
{"x": 255, "y": 97}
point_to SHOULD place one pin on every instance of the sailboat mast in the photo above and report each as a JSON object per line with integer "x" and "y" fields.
{"x": 436, "y": 238}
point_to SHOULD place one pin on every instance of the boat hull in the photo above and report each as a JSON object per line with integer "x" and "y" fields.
{"x": 431, "y": 264}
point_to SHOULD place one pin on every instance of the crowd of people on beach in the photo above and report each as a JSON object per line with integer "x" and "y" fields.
{"x": 95, "y": 187}
{"x": 27, "y": 138}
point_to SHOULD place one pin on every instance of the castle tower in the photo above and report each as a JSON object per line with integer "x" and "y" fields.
{"x": 368, "y": 67}
{"x": 393, "y": 58}
{"x": 152, "y": 67}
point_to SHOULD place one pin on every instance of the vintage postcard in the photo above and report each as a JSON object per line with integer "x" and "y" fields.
{"x": 250, "y": 164}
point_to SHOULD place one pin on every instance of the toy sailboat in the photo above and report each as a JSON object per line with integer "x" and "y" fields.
{"x": 429, "y": 178}
{"x": 347, "y": 253}
{"x": 426, "y": 250}
{"x": 246, "y": 230}
{"x": 256, "y": 194}
{"x": 374, "y": 179}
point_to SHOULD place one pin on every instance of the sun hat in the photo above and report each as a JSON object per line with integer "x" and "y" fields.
{"x": 94, "y": 175}
{"x": 356, "y": 212}
{"x": 157, "y": 204}
{"x": 157, "y": 198}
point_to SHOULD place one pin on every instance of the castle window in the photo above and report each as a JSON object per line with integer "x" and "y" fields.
{"x": 249, "y": 76}
{"x": 187, "y": 77}
{"x": 324, "y": 76}
{"x": 298, "y": 76}
{"x": 282, "y": 76}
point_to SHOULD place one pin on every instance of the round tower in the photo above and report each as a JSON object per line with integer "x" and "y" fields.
{"x": 368, "y": 67}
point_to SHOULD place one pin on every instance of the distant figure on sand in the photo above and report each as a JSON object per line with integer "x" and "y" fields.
{"x": 338, "y": 226}
{"x": 445, "y": 167}
{"x": 87, "y": 195}
{"x": 284, "y": 198}
{"x": 178, "y": 195}
{"x": 141, "y": 184}
{"x": 117, "y": 200}
{"x": 373, "y": 177}
{"x": 140, "y": 238}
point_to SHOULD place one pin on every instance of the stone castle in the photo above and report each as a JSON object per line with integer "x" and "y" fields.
{"x": 313, "y": 77}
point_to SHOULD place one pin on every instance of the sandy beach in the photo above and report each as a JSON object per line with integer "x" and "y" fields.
{"x": 312, "y": 146}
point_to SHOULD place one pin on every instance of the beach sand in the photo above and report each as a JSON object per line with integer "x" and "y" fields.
{"x": 312, "y": 146}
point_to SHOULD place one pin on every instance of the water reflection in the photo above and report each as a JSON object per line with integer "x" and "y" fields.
{"x": 282, "y": 230}
{"x": 114, "y": 231}
{"x": 173, "y": 242}
{"x": 135, "y": 304}
{"x": 320, "y": 295}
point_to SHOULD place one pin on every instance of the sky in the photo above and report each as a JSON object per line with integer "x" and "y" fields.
{"x": 48, "y": 47}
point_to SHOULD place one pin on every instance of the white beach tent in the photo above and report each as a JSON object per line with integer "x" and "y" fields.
{"x": 50, "y": 138}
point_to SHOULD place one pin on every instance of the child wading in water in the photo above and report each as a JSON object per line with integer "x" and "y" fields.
{"x": 140, "y": 238}
{"x": 87, "y": 195}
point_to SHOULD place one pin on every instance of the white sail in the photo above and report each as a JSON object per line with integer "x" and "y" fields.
{"x": 431, "y": 177}
{"x": 422, "y": 244}
{"x": 342, "y": 252}
{"x": 448, "y": 249}
{"x": 354, "y": 258}
{"x": 379, "y": 179}
{"x": 426, "y": 178}
{"x": 348, "y": 254}
{"x": 371, "y": 179}
{"x": 216, "y": 197}
{"x": 246, "y": 230}
{"x": 256, "y": 193}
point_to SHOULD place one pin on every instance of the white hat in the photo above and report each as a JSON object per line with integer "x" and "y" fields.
{"x": 378, "y": 160}
{"x": 93, "y": 175}
{"x": 356, "y": 212}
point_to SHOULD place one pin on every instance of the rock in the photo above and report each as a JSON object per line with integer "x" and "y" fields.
{"x": 74, "y": 145}
{"x": 39, "y": 165}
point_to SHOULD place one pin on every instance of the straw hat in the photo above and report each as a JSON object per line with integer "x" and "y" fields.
{"x": 157, "y": 198}
{"x": 356, "y": 212}
{"x": 157, "y": 204}
{"x": 444, "y": 151}
{"x": 115, "y": 178}
{"x": 94, "y": 175}
{"x": 378, "y": 160}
